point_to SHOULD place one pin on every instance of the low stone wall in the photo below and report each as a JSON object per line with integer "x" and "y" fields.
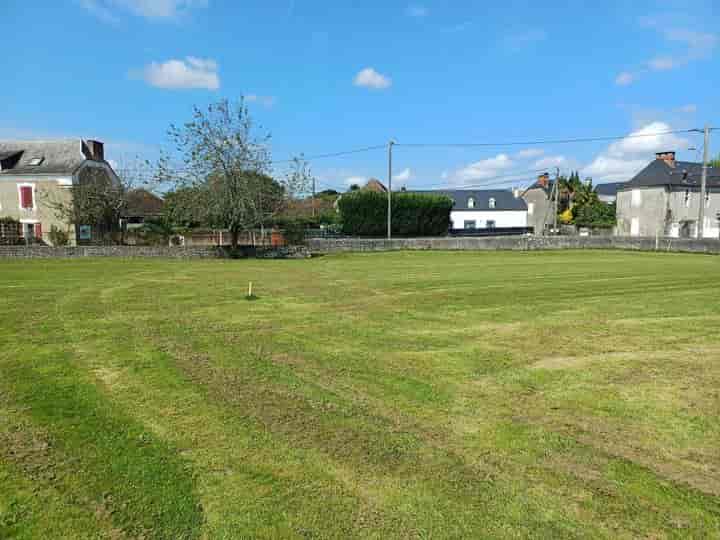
{"x": 522, "y": 243}
{"x": 197, "y": 252}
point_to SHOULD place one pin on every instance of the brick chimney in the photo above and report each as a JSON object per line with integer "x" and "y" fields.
{"x": 97, "y": 150}
{"x": 667, "y": 157}
{"x": 544, "y": 180}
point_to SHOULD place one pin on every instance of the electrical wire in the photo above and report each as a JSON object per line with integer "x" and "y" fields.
{"x": 333, "y": 154}
{"x": 545, "y": 141}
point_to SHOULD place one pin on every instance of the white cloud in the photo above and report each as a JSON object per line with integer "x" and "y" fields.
{"x": 551, "y": 161}
{"x": 403, "y": 176}
{"x": 369, "y": 78}
{"x": 663, "y": 63}
{"x": 623, "y": 158}
{"x": 608, "y": 168}
{"x": 483, "y": 169}
{"x": 417, "y": 11}
{"x": 358, "y": 180}
{"x": 697, "y": 45}
{"x": 624, "y": 78}
{"x": 530, "y": 153}
{"x": 687, "y": 109}
{"x": 265, "y": 101}
{"x": 151, "y": 9}
{"x": 182, "y": 74}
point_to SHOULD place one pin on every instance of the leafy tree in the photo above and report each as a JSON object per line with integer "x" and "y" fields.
{"x": 225, "y": 170}
{"x": 595, "y": 214}
{"x": 715, "y": 162}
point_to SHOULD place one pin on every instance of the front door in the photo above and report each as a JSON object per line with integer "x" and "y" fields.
{"x": 29, "y": 231}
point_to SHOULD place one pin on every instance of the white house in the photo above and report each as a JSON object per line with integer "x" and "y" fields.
{"x": 485, "y": 209}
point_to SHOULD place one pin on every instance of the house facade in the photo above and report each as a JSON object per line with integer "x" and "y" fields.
{"x": 538, "y": 198}
{"x": 664, "y": 200}
{"x": 485, "y": 209}
{"x": 34, "y": 175}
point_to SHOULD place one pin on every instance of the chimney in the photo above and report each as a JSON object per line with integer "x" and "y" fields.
{"x": 544, "y": 180}
{"x": 97, "y": 150}
{"x": 667, "y": 157}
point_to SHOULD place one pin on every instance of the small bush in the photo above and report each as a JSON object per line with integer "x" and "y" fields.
{"x": 364, "y": 213}
{"x": 294, "y": 232}
{"x": 58, "y": 237}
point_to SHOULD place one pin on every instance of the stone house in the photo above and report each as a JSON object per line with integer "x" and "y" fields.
{"x": 33, "y": 173}
{"x": 538, "y": 198}
{"x": 664, "y": 199}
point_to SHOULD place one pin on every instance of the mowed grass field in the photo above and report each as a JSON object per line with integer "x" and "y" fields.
{"x": 397, "y": 395}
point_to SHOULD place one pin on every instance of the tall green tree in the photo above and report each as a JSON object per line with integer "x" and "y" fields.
{"x": 222, "y": 162}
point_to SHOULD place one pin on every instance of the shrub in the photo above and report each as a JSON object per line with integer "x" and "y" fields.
{"x": 364, "y": 213}
{"x": 294, "y": 232}
{"x": 58, "y": 237}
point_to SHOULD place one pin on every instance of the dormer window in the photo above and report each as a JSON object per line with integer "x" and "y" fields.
{"x": 471, "y": 202}
{"x": 491, "y": 203}
{"x": 36, "y": 161}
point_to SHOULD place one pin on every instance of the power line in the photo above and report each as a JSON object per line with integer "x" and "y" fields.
{"x": 333, "y": 154}
{"x": 546, "y": 141}
{"x": 509, "y": 177}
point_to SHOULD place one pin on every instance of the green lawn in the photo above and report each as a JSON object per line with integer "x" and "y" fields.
{"x": 399, "y": 395}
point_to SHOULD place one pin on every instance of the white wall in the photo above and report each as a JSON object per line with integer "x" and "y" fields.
{"x": 502, "y": 218}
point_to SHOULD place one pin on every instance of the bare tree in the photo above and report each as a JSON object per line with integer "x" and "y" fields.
{"x": 227, "y": 166}
{"x": 99, "y": 198}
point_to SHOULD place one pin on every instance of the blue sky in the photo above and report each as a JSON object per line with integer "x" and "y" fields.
{"x": 325, "y": 77}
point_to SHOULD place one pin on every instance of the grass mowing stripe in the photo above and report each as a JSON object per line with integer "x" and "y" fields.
{"x": 147, "y": 488}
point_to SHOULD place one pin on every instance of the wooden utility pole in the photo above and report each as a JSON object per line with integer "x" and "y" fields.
{"x": 389, "y": 190}
{"x": 703, "y": 184}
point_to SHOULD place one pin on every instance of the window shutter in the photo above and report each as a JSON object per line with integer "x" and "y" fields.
{"x": 26, "y": 196}
{"x": 38, "y": 231}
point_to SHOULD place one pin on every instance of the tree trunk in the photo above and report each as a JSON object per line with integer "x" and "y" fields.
{"x": 234, "y": 234}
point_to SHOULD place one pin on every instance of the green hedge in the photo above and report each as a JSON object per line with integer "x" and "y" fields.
{"x": 364, "y": 213}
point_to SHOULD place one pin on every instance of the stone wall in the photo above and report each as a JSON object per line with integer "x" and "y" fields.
{"x": 523, "y": 243}
{"x": 338, "y": 245}
{"x": 198, "y": 252}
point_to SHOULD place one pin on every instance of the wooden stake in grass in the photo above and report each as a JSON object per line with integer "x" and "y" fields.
{"x": 250, "y": 295}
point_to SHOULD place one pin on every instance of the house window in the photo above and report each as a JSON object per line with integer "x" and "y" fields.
{"x": 531, "y": 208}
{"x": 85, "y": 232}
{"x": 26, "y": 197}
{"x": 490, "y": 224}
{"x": 470, "y": 224}
{"x": 687, "y": 198}
{"x": 471, "y": 202}
{"x": 491, "y": 203}
{"x": 636, "y": 198}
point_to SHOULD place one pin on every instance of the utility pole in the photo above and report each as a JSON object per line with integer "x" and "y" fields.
{"x": 389, "y": 190}
{"x": 557, "y": 196}
{"x": 703, "y": 184}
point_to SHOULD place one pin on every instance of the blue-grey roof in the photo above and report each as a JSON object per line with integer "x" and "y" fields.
{"x": 56, "y": 157}
{"x": 504, "y": 199}
{"x": 684, "y": 174}
{"x": 609, "y": 189}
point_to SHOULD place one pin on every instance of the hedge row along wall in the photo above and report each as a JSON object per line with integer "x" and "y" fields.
{"x": 364, "y": 213}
